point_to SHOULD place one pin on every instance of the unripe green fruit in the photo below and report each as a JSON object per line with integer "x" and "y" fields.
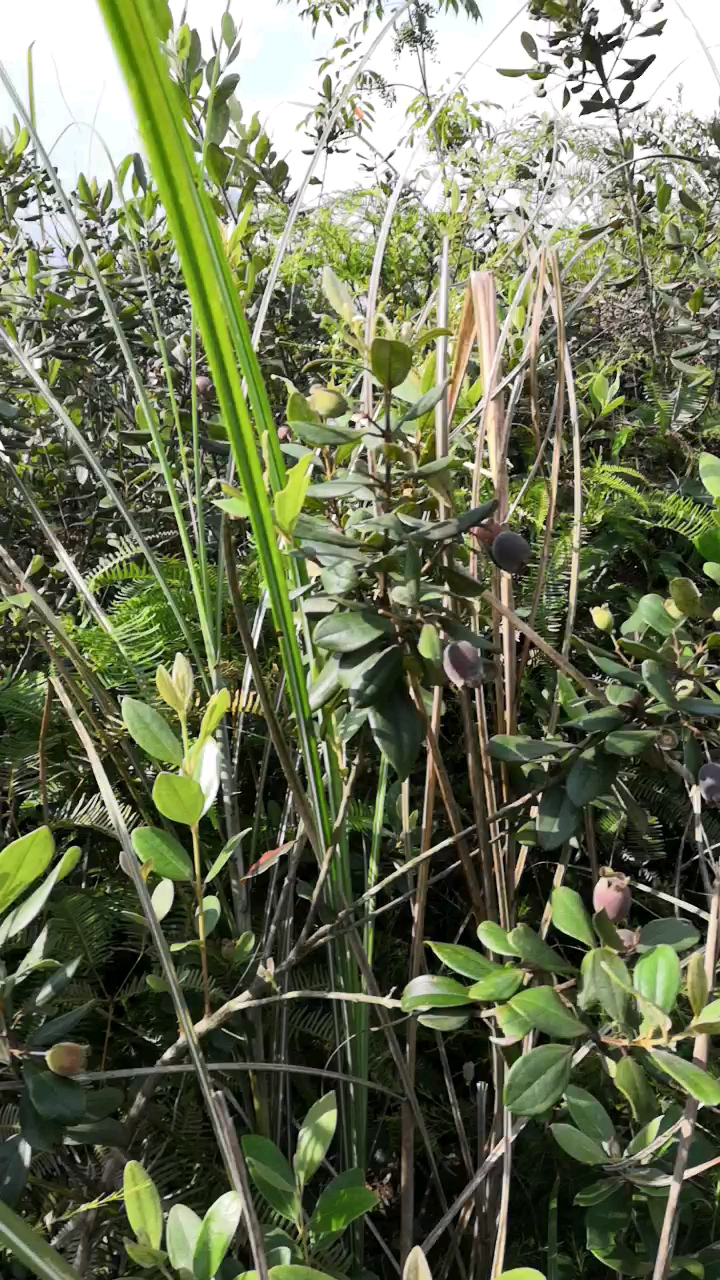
{"x": 328, "y": 402}
{"x": 602, "y": 618}
{"x": 612, "y": 893}
{"x": 66, "y": 1058}
{"x": 510, "y": 551}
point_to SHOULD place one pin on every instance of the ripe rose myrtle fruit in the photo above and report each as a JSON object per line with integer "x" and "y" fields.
{"x": 612, "y": 893}
{"x": 709, "y": 782}
{"x": 510, "y": 551}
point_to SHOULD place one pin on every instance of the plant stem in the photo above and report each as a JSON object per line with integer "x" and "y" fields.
{"x": 201, "y": 916}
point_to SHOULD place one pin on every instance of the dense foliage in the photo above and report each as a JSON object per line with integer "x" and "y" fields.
{"x": 359, "y": 707}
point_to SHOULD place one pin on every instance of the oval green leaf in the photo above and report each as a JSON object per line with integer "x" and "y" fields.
{"x": 169, "y": 859}
{"x": 142, "y": 1204}
{"x": 538, "y": 1079}
{"x": 178, "y": 798}
{"x": 315, "y": 1136}
{"x": 569, "y": 915}
{"x": 432, "y": 991}
{"x": 22, "y": 861}
{"x": 657, "y": 977}
{"x": 471, "y": 964}
{"x": 218, "y": 1228}
{"x": 589, "y": 1114}
{"x": 151, "y": 731}
{"x": 545, "y": 1011}
{"x": 578, "y": 1145}
{"x": 693, "y": 1079}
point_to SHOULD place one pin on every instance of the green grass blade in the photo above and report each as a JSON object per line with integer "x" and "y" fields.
{"x": 134, "y": 30}
{"x": 29, "y": 1248}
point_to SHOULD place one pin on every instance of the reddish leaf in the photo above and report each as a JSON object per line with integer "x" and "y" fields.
{"x": 268, "y": 860}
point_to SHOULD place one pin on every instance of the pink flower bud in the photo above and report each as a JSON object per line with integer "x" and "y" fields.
{"x": 612, "y": 892}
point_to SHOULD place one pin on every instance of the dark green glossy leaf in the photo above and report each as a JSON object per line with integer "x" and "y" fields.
{"x": 398, "y": 730}
{"x": 471, "y": 964}
{"x": 545, "y": 1011}
{"x": 557, "y": 818}
{"x": 569, "y": 915}
{"x": 578, "y": 1145}
{"x": 671, "y": 932}
{"x": 538, "y": 1079}
{"x": 589, "y": 1114}
{"x": 500, "y": 984}
{"x": 693, "y": 1079}
{"x": 537, "y": 953}
{"x": 345, "y": 632}
{"x": 433, "y": 991}
{"x": 496, "y": 939}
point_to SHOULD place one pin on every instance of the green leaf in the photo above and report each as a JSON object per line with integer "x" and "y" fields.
{"x": 707, "y": 1021}
{"x": 338, "y": 1206}
{"x": 178, "y": 798}
{"x": 31, "y": 1249}
{"x": 22, "y": 861}
{"x": 557, "y": 818}
{"x": 346, "y": 632}
{"x": 216, "y": 1233}
{"x": 471, "y": 964}
{"x": 289, "y": 501}
{"x": 169, "y": 859}
{"x": 151, "y": 731}
{"x": 634, "y": 1085}
{"x": 398, "y": 730}
{"x": 443, "y": 1021}
{"x": 422, "y": 406}
{"x": 162, "y": 898}
{"x": 373, "y": 678}
{"x": 521, "y": 1273}
{"x": 709, "y": 467}
{"x": 578, "y": 1145}
{"x": 272, "y": 1175}
{"x": 598, "y": 987}
{"x": 499, "y": 984}
{"x": 591, "y": 775}
{"x": 290, "y": 1271}
{"x": 693, "y": 1079}
{"x": 142, "y": 1205}
{"x": 657, "y": 977}
{"x": 326, "y": 685}
{"x": 537, "y": 953}
{"x": 589, "y": 1114}
{"x": 545, "y": 1011}
{"x": 314, "y": 1138}
{"x": 687, "y": 598}
{"x": 538, "y": 1079}
{"x": 496, "y": 939}
{"x": 226, "y": 854}
{"x": 569, "y": 915}
{"x": 603, "y": 720}
{"x": 629, "y": 742}
{"x": 55, "y": 1097}
{"x": 516, "y": 750}
{"x": 432, "y": 991}
{"x": 390, "y": 361}
{"x": 671, "y": 932}
{"x": 606, "y": 931}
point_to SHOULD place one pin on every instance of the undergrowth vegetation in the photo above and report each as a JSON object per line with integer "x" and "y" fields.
{"x": 359, "y": 749}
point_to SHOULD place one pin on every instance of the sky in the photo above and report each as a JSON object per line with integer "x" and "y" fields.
{"x": 78, "y": 84}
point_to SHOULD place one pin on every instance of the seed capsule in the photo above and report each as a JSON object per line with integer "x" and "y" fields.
{"x": 510, "y": 551}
